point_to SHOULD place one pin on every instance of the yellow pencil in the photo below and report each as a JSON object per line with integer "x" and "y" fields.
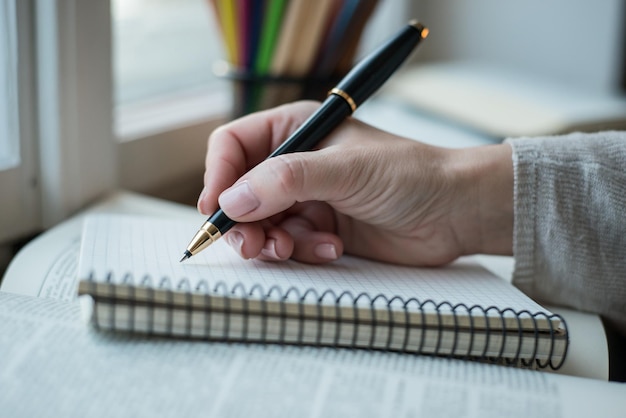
{"x": 228, "y": 19}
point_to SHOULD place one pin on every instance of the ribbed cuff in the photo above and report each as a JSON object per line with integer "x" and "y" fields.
{"x": 524, "y": 209}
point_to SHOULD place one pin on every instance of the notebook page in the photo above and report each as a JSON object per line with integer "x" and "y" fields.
{"x": 119, "y": 245}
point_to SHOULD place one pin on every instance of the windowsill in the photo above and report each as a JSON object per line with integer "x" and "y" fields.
{"x": 166, "y": 113}
{"x": 8, "y": 162}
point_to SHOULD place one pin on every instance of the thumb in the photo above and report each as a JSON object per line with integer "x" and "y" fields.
{"x": 279, "y": 182}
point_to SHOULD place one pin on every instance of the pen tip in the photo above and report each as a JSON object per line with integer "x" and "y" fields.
{"x": 185, "y": 256}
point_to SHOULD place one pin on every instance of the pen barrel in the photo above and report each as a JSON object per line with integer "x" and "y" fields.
{"x": 330, "y": 114}
{"x": 221, "y": 221}
{"x": 372, "y": 72}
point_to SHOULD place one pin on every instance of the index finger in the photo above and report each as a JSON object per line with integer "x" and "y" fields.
{"x": 236, "y": 147}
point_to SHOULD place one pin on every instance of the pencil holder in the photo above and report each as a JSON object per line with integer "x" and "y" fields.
{"x": 253, "y": 92}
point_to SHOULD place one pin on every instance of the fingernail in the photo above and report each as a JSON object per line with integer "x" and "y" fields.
{"x": 327, "y": 251}
{"x": 269, "y": 250}
{"x": 238, "y": 200}
{"x": 235, "y": 240}
{"x": 200, "y": 204}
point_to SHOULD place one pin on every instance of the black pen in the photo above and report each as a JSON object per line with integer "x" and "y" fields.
{"x": 359, "y": 84}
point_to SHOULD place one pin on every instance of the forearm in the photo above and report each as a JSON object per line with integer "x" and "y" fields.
{"x": 570, "y": 229}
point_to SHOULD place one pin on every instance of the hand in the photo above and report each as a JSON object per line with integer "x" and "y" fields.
{"x": 364, "y": 191}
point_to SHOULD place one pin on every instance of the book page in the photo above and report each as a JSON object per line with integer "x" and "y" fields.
{"x": 126, "y": 247}
{"x": 55, "y": 366}
{"x": 56, "y": 251}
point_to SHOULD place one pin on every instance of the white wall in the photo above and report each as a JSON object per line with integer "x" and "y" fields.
{"x": 574, "y": 41}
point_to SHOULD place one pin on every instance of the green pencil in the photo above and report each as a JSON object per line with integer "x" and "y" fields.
{"x": 269, "y": 35}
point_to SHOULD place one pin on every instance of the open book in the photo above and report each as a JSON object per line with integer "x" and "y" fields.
{"x": 129, "y": 267}
{"x": 52, "y": 365}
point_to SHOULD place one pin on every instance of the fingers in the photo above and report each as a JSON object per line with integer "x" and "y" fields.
{"x": 277, "y": 184}
{"x": 305, "y": 233}
{"x": 238, "y": 146}
{"x": 310, "y": 244}
{"x": 253, "y": 240}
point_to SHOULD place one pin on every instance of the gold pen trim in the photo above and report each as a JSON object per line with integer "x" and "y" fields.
{"x": 344, "y": 96}
{"x": 423, "y": 29}
{"x": 206, "y": 235}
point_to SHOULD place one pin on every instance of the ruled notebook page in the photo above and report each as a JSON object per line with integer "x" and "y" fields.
{"x": 119, "y": 245}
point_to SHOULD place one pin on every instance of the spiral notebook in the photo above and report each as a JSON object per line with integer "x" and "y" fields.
{"x": 129, "y": 268}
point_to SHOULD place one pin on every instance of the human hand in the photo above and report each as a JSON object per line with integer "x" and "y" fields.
{"x": 364, "y": 191}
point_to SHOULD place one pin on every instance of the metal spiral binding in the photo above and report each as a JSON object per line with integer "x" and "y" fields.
{"x": 312, "y": 297}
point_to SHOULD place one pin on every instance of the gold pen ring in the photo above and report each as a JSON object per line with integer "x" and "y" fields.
{"x": 345, "y": 96}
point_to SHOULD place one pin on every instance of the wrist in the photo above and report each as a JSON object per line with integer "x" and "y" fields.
{"x": 485, "y": 179}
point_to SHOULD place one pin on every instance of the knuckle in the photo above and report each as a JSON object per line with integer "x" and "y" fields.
{"x": 289, "y": 172}
{"x": 220, "y": 134}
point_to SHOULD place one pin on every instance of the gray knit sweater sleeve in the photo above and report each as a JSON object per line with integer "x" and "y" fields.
{"x": 569, "y": 237}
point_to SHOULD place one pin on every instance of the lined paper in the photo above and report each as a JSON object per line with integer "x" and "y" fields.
{"x": 119, "y": 245}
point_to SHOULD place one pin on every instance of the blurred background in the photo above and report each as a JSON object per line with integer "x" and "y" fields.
{"x": 580, "y": 42}
{"x": 165, "y": 46}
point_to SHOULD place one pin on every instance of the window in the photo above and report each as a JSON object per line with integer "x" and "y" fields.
{"x": 9, "y": 145}
{"x": 163, "y": 53}
{"x": 146, "y": 31}
{"x": 18, "y": 186}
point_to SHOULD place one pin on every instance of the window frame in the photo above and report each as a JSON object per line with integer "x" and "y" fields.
{"x": 77, "y": 157}
{"x": 18, "y": 180}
